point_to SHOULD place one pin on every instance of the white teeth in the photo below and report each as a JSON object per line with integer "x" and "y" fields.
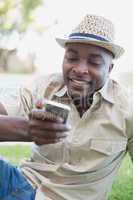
{"x": 76, "y": 81}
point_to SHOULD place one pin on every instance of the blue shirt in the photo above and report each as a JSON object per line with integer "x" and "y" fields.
{"x": 13, "y": 185}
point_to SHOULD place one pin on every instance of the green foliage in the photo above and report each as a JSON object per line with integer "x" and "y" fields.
{"x": 28, "y": 6}
{"x": 25, "y": 8}
{"x": 5, "y": 6}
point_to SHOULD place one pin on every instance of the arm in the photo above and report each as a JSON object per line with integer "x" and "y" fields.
{"x": 32, "y": 129}
{"x": 14, "y": 129}
{"x": 36, "y": 128}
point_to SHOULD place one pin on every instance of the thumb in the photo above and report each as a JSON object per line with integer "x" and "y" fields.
{"x": 39, "y": 103}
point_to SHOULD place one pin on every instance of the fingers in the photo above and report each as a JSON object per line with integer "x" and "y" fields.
{"x": 39, "y": 141}
{"x": 46, "y": 127}
{"x": 43, "y": 115}
{"x": 48, "y": 135}
{"x": 41, "y": 137}
{"x": 39, "y": 104}
{"x": 49, "y": 126}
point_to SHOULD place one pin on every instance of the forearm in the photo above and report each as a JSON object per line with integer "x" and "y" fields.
{"x": 14, "y": 129}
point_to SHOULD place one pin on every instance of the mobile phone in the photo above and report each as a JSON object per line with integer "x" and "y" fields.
{"x": 59, "y": 109}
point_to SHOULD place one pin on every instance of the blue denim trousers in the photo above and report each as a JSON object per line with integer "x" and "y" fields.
{"x": 13, "y": 185}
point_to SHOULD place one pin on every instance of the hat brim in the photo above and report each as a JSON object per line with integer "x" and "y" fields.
{"x": 116, "y": 50}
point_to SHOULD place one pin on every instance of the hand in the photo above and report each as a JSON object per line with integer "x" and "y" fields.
{"x": 45, "y": 127}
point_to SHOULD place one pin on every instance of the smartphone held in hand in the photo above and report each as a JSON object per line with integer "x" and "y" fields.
{"x": 58, "y": 109}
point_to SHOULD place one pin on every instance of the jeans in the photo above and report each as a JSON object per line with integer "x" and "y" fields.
{"x": 13, "y": 185}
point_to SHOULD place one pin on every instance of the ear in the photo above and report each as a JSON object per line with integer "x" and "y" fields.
{"x": 111, "y": 67}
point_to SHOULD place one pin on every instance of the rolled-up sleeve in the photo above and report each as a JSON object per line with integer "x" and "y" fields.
{"x": 17, "y": 101}
{"x": 20, "y": 100}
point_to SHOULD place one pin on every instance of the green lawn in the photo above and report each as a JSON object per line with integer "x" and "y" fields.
{"x": 15, "y": 153}
{"x": 123, "y": 184}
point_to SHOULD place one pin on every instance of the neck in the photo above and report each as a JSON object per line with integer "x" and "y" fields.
{"x": 83, "y": 104}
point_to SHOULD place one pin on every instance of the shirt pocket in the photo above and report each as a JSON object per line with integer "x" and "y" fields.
{"x": 108, "y": 147}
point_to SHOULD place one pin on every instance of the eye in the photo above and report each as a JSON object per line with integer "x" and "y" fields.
{"x": 71, "y": 59}
{"x": 96, "y": 63}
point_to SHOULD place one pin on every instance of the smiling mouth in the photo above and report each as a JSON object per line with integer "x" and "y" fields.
{"x": 80, "y": 85}
{"x": 79, "y": 81}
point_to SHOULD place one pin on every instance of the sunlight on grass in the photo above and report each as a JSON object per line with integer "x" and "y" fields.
{"x": 15, "y": 153}
{"x": 123, "y": 184}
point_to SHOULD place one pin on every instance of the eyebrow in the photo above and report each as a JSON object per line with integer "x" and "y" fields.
{"x": 96, "y": 55}
{"x": 72, "y": 50}
{"x": 92, "y": 55}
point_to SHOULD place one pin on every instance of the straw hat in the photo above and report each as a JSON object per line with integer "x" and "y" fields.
{"x": 95, "y": 30}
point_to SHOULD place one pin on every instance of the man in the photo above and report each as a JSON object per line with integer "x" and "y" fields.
{"x": 82, "y": 163}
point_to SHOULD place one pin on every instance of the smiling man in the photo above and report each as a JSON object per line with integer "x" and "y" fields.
{"x": 83, "y": 163}
{"x": 85, "y": 68}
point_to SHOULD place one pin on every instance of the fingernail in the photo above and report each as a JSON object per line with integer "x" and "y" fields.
{"x": 69, "y": 126}
{"x": 60, "y": 119}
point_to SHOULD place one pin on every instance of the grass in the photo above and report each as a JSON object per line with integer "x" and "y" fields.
{"x": 123, "y": 184}
{"x": 15, "y": 153}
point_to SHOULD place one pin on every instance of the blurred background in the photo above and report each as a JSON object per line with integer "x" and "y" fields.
{"x": 27, "y": 37}
{"x": 27, "y": 48}
{"x": 28, "y": 29}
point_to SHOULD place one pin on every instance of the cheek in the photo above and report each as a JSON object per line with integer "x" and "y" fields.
{"x": 66, "y": 68}
{"x": 101, "y": 78}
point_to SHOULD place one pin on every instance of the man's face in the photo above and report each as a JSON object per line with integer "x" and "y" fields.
{"x": 85, "y": 69}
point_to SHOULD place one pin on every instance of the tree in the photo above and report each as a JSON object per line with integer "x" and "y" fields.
{"x": 17, "y": 14}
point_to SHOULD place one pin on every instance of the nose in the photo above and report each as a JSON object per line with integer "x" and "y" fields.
{"x": 81, "y": 69}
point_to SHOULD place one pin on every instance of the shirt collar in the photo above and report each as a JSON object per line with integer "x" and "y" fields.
{"x": 107, "y": 91}
{"x": 61, "y": 92}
